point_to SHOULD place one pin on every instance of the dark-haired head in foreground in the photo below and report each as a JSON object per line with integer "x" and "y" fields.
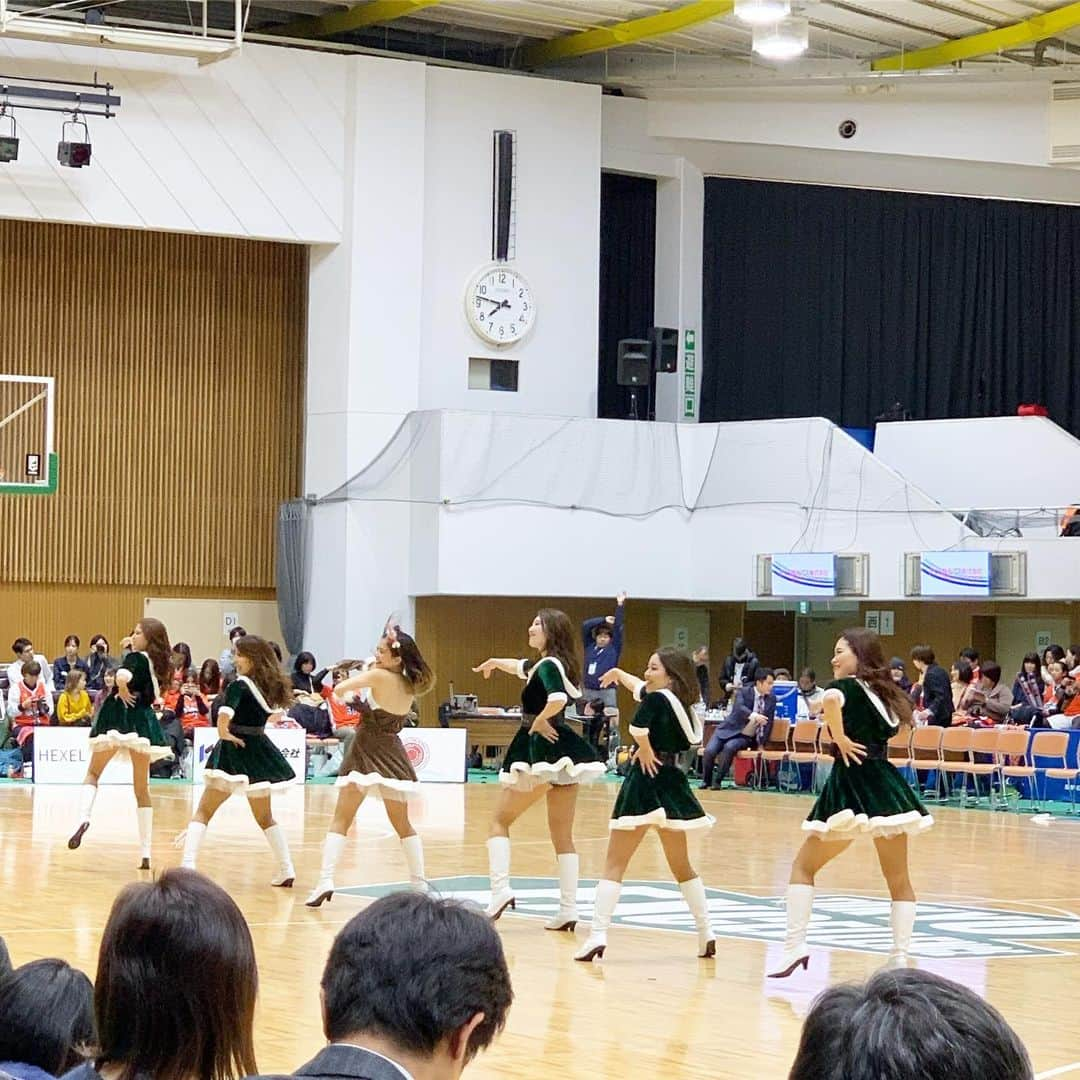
{"x": 907, "y": 1024}
{"x": 417, "y": 979}
{"x": 46, "y": 1016}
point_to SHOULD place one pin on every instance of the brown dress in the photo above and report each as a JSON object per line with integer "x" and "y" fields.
{"x": 376, "y": 762}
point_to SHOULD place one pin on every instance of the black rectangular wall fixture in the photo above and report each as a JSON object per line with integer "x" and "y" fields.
{"x": 502, "y": 188}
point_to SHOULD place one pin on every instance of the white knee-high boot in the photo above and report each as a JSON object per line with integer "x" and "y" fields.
{"x": 333, "y": 846}
{"x": 87, "y": 795}
{"x": 413, "y": 847}
{"x": 566, "y": 917}
{"x": 607, "y": 897}
{"x": 192, "y": 842}
{"x": 145, "y": 814}
{"x": 800, "y": 906}
{"x": 902, "y": 921}
{"x": 694, "y": 894}
{"x": 502, "y": 896}
{"x": 286, "y": 873}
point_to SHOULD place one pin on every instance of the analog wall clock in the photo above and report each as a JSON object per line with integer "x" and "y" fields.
{"x": 499, "y": 304}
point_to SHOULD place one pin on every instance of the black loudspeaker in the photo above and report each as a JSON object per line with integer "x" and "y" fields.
{"x": 502, "y": 195}
{"x": 665, "y": 346}
{"x": 635, "y": 362}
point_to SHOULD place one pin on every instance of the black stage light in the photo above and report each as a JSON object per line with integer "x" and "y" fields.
{"x": 9, "y": 144}
{"x": 74, "y": 155}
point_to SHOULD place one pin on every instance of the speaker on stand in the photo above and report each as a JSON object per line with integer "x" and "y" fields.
{"x": 634, "y": 371}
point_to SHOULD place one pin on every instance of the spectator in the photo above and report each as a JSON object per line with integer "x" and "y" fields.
{"x": 971, "y": 656}
{"x": 74, "y": 707}
{"x": 1072, "y": 660}
{"x": 24, "y": 653}
{"x": 98, "y": 661}
{"x": 739, "y": 668}
{"x": 906, "y": 1024}
{"x": 1066, "y": 692}
{"x": 937, "y": 703}
{"x": 1028, "y": 706}
{"x": 1050, "y": 654}
{"x": 181, "y": 662}
{"x": 899, "y": 675}
{"x": 781, "y": 674}
{"x": 393, "y": 1010}
{"x": 603, "y": 640}
{"x": 192, "y": 710}
{"x": 997, "y": 700}
{"x": 176, "y": 984}
{"x": 811, "y": 697}
{"x": 209, "y": 680}
{"x": 750, "y": 720}
{"x": 305, "y": 679}
{"x": 48, "y": 1020}
{"x": 109, "y": 684}
{"x": 29, "y": 706}
{"x": 701, "y": 670}
{"x": 966, "y": 691}
{"x": 1054, "y": 692}
{"x": 68, "y": 662}
{"x": 227, "y": 660}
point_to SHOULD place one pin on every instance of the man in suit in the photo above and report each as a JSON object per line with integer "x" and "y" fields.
{"x": 414, "y": 987}
{"x": 937, "y": 703}
{"x": 739, "y": 668}
{"x": 750, "y": 721}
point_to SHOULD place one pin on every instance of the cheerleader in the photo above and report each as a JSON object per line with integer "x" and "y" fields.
{"x": 544, "y": 760}
{"x": 656, "y": 792}
{"x": 244, "y": 760}
{"x": 127, "y": 724}
{"x": 376, "y": 763}
{"x": 864, "y": 795}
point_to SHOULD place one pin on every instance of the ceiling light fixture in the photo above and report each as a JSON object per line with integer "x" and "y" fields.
{"x": 760, "y": 12}
{"x": 783, "y": 40}
{"x": 9, "y": 144}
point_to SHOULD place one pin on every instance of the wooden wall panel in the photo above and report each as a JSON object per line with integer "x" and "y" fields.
{"x": 179, "y": 366}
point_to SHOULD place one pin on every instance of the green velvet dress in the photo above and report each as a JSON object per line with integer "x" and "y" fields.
{"x": 132, "y": 729}
{"x": 664, "y": 800}
{"x": 258, "y": 766}
{"x": 532, "y": 760}
{"x": 871, "y": 798}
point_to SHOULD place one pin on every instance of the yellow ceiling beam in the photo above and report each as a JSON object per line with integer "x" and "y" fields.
{"x": 355, "y": 18}
{"x": 625, "y": 33}
{"x": 1037, "y": 28}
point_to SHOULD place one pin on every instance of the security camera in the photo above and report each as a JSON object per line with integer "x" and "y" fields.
{"x": 847, "y": 129}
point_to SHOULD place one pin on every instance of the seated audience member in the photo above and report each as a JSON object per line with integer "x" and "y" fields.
{"x": 971, "y": 656}
{"x": 108, "y": 684}
{"x": 209, "y": 680}
{"x": 899, "y": 675}
{"x": 701, "y": 670}
{"x": 966, "y": 691}
{"x": 181, "y": 663}
{"x": 811, "y": 697}
{"x": 750, "y": 721}
{"x": 177, "y": 955}
{"x": 936, "y": 695}
{"x": 997, "y": 699}
{"x": 739, "y": 668}
{"x": 781, "y": 674}
{"x": 98, "y": 661}
{"x": 227, "y": 660}
{"x": 1028, "y": 705}
{"x": 907, "y": 1025}
{"x": 1067, "y": 695}
{"x": 46, "y": 1020}
{"x": 70, "y": 661}
{"x": 191, "y": 709}
{"x": 305, "y": 679}
{"x": 393, "y": 1010}
{"x": 24, "y": 652}
{"x": 1054, "y": 693}
{"x": 29, "y": 706}
{"x": 74, "y": 707}
{"x": 1051, "y": 654}
{"x": 1072, "y": 660}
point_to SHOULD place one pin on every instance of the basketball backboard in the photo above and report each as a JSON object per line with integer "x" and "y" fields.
{"x": 28, "y": 459}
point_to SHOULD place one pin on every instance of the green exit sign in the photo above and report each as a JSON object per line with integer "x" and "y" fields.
{"x": 691, "y": 339}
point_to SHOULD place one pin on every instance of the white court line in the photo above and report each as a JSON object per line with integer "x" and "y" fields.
{"x": 1059, "y": 1071}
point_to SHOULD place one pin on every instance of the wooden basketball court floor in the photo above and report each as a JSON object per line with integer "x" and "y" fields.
{"x": 1001, "y": 914}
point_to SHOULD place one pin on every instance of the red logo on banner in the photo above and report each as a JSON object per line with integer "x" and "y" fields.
{"x": 417, "y": 751}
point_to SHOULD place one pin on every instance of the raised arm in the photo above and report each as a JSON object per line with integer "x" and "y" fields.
{"x": 622, "y": 678}
{"x": 505, "y": 664}
{"x": 617, "y": 629}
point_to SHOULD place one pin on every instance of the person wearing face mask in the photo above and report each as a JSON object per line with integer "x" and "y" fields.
{"x": 740, "y": 668}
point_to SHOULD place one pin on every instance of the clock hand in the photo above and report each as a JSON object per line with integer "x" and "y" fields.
{"x": 498, "y": 303}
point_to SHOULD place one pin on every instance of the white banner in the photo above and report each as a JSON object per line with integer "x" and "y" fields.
{"x": 437, "y": 754}
{"x": 292, "y": 742}
{"x": 61, "y": 755}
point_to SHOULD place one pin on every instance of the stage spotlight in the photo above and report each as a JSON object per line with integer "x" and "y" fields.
{"x": 9, "y": 143}
{"x": 74, "y": 155}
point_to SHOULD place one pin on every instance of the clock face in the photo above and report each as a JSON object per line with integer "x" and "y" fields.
{"x": 499, "y": 305}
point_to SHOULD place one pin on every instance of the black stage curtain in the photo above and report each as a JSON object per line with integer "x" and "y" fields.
{"x": 627, "y": 276}
{"x": 837, "y": 302}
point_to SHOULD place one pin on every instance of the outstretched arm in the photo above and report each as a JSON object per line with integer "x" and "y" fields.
{"x": 622, "y": 678}
{"x": 506, "y": 664}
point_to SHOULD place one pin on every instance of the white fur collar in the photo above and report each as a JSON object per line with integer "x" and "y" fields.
{"x": 153, "y": 676}
{"x": 570, "y": 688}
{"x": 691, "y": 723}
{"x": 879, "y": 705}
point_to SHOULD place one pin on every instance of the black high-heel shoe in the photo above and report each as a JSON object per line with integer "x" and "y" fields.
{"x": 318, "y": 901}
{"x": 803, "y": 962}
{"x": 511, "y": 904}
{"x": 76, "y": 837}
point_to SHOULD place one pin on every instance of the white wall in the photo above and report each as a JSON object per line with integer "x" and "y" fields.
{"x": 251, "y": 146}
{"x": 557, "y": 248}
